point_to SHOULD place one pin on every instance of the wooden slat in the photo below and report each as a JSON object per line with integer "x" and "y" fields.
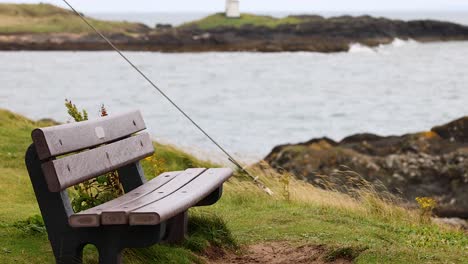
{"x": 74, "y": 169}
{"x": 91, "y": 217}
{"x": 63, "y": 139}
{"x": 119, "y": 214}
{"x": 180, "y": 200}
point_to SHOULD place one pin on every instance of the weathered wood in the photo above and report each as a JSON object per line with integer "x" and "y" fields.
{"x": 67, "y": 242}
{"x": 119, "y": 214}
{"x": 74, "y": 169}
{"x": 91, "y": 217}
{"x": 179, "y": 201}
{"x": 67, "y": 138}
{"x": 141, "y": 217}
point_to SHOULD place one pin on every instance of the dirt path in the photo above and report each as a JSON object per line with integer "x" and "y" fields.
{"x": 276, "y": 253}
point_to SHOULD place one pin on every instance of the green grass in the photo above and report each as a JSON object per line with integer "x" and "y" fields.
{"x": 220, "y": 20}
{"x": 46, "y": 18}
{"x": 368, "y": 228}
{"x": 381, "y": 240}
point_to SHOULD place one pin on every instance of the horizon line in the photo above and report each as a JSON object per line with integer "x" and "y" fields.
{"x": 289, "y": 11}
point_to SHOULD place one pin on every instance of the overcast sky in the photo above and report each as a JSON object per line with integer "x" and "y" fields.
{"x": 260, "y": 5}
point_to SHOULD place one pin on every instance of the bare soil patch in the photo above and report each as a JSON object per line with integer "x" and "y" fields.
{"x": 276, "y": 253}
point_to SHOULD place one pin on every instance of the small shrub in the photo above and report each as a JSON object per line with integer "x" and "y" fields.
{"x": 426, "y": 207}
{"x": 157, "y": 165}
{"x": 100, "y": 189}
{"x": 74, "y": 113}
{"x": 208, "y": 230}
{"x": 285, "y": 181}
{"x": 33, "y": 225}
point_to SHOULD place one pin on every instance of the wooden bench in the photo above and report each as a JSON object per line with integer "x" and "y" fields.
{"x": 148, "y": 212}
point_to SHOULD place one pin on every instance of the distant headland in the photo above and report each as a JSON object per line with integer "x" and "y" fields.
{"x": 47, "y": 27}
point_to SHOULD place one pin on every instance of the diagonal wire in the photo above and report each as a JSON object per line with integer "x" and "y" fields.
{"x": 230, "y": 157}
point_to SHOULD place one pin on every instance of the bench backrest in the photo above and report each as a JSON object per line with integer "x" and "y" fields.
{"x": 102, "y": 145}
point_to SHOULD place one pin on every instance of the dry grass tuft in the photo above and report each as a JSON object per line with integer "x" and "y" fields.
{"x": 355, "y": 195}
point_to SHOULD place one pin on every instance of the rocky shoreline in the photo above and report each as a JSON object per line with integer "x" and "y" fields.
{"x": 315, "y": 34}
{"x": 427, "y": 164}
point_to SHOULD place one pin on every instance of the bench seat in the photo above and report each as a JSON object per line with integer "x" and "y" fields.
{"x": 156, "y": 201}
{"x": 149, "y": 212}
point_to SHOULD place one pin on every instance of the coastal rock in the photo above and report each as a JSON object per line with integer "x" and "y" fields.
{"x": 454, "y": 222}
{"x": 163, "y": 26}
{"x": 454, "y": 131}
{"x": 313, "y": 33}
{"x": 427, "y": 164}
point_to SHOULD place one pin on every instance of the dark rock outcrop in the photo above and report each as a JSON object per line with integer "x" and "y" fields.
{"x": 427, "y": 164}
{"x": 315, "y": 33}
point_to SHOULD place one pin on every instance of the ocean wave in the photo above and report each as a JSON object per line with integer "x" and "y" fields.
{"x": 359, "y": 48}
{"x": 396, "y": 43}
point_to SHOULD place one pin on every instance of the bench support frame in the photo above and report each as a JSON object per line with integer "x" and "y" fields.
{"x": 67, "y": 242}
{"x": 96, "y": 147}
{"x": 110, "y": 240}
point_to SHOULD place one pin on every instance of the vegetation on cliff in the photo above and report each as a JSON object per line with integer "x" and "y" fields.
{"x": 220, "y": 20}
{"x": 46, "y": 18}
{"x": 365, "y": 228}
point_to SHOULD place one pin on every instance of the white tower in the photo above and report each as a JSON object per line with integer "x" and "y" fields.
{"x": 232, "y": 9}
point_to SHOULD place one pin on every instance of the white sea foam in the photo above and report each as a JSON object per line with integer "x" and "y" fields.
{"x": 359, "y": 48}
{"x": 396, "y": 43}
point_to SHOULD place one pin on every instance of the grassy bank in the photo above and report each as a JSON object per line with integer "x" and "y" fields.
{"x": 368, "y": 228}
{"x": 45, "y": 18}
{"x": 220, "y": 20}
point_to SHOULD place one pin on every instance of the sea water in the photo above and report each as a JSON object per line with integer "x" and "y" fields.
{"x": 250, "y": 102}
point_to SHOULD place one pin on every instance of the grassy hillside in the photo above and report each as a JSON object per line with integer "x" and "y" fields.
{"x": 220, "y": 20}
{"x": 366, "y": 227}
{"x": 46, "y": 18}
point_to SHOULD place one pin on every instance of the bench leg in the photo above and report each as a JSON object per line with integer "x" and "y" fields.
{"x": 109, "y": 255}
{"x": 71, "y": 253}
{"x": 177, "y": 228}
